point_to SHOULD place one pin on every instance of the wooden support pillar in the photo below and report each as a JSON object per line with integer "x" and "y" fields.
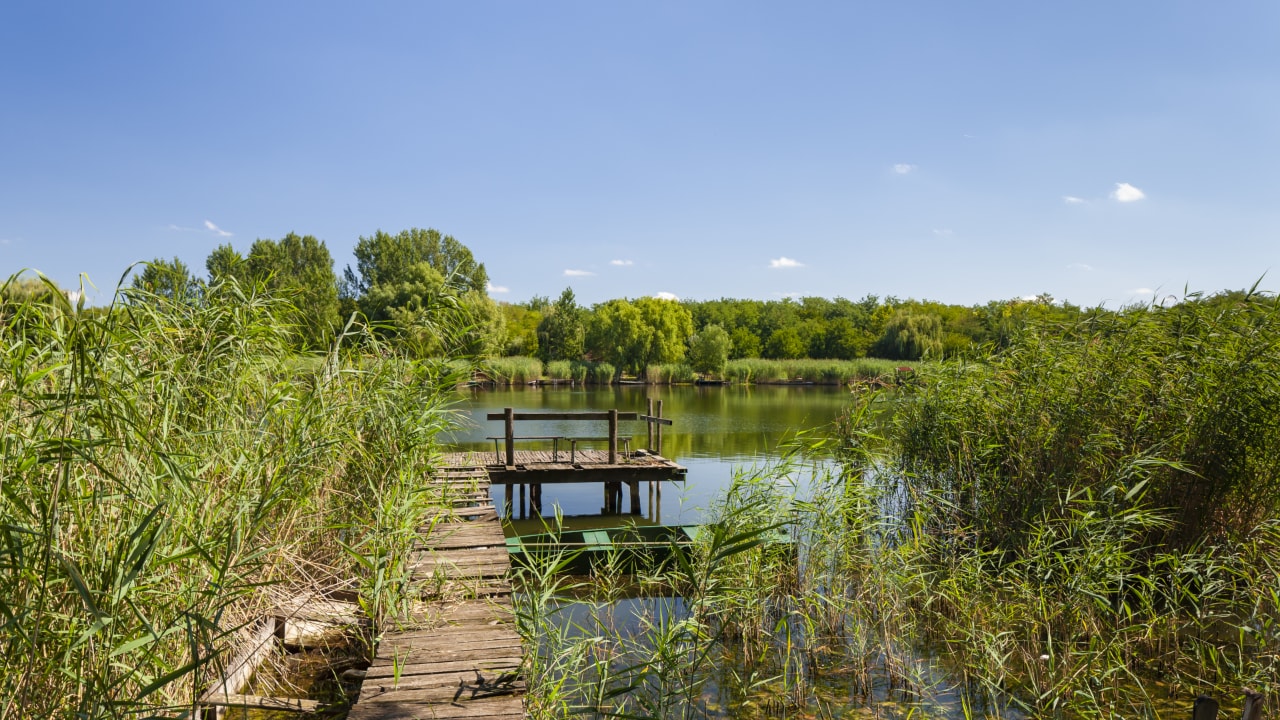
{"x": 524, "y": 512}
{"x": 1252, "y": 705}
{"x": 652, "y": 484}
{"x": 535, "y": 498}
{"x": 657, "y": 506}
{"x": 506, "y": 505}
{"x": 613, "y": 436}
{"x": 1206, "y": 708}
{"x": 648, "y": 445}
{"x": 633, "y": 487}
{"x": 510, "y": 422}
{"x": 658, "y": 431}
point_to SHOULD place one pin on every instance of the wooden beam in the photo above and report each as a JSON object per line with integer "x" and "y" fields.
{"x": 651, "y": 418}
{"x": 509, "y": 415}
{"x": 561, "y": 416}
{"x": 258, "y": 701}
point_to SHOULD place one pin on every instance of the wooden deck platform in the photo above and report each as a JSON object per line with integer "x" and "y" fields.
{"x": 459, "y": 655}
{"x": 543, "y": 467}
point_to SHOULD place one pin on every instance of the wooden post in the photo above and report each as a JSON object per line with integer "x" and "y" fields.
{"x": 658, "y": 431}
{"x": 1252, "y": 705}
{"x": 535, "y": 498}
{"x": 613, "y": 436}
{"x": 633, "y": 487}
{"x": 506, "y": 505}
{"x": 511, "y": 438}
{"x": 524, "y": 512}
{"x": 648, "y": 445}
{"x": 1206, "y": 708}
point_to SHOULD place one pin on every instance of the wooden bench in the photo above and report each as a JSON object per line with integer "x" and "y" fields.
{"x": 555, "y": 444}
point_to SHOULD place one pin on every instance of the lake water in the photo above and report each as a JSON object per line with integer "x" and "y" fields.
{"x": 715, "y": 430}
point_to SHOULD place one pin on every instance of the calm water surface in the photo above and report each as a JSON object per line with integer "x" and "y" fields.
{"x": 715, "y": 430}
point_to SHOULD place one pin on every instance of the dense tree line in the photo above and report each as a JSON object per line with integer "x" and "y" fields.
{"x": 427, "y": 292}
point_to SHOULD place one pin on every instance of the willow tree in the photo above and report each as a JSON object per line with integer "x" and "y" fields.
{"x": 910, "y": 336}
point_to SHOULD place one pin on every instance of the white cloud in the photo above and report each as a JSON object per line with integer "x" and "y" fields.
{"x": 1127, "y": 193}
{"x": 1080, "y": 266}
{"x": 215, "y": 229}
{"x": 5, "y": 241}
{"x": 664, "y": 295}
{"x": 1072, "y": 200}
{"x": 903, "y": 168}
{"x": 943, "y": 232}
{"x": 498, "y": 288}
{"x": 1030, "y": 298}
{"x": 1142, "y": 291}
{"x": 785, "y": 262}
{"x": 578, "y": 273}
{"x": 621, "y": 263}
{"x": 789, "y": 294}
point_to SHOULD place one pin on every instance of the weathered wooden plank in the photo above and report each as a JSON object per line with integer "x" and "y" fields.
{"x": 462, "y": 651}
{"x": 459, "y": 691}
{"x": 380, "y": 672}
{"x": 452, "y": 680}
{"x": 499, "y": 707}
{"x": 266, "y": 703}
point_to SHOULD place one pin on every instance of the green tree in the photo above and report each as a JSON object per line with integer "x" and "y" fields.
{"x": 169, "y": 279}
{"x": 562, "y": 331}
{"x": 300, "y": 268}
{"x": 521, "y": 334}
{"x": 785, "y": 344}
{"x": 911, "y": 336}
{"x": 745, "y": 343}
{"x": 632, "y": 336}
{"x": 386, "y": 258}
{"x": 709, "y": 350}
{"x": 223, "y": 263}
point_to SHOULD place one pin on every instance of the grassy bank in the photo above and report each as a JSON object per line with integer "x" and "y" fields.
{"x": 171, "y": 469}
{"x": 524, "y": 370}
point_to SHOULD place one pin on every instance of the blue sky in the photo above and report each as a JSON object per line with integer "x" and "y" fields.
{"x": 1097, "y": 151}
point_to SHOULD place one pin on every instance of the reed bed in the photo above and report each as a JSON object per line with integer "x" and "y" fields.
{"x": 820, "y": 372}
{"x": 167, "y": 467}
{"x": 581, "y": 371}
{"x": 1087, "y": 526}
{"x": 514, "y": 370}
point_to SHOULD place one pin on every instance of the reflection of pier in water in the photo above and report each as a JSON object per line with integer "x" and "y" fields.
{"x": 565, "y": 462}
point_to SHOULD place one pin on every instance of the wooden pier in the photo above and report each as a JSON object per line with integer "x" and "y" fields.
{"x": 459, "y": 655}
{"x": 567, "y": 463}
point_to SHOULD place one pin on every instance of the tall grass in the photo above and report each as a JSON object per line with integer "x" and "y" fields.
{"x": 164, "y": 465}
{"x": 516, "y": 370}
{"x": 822, "y": 372}
{"x": 581, "y": 371}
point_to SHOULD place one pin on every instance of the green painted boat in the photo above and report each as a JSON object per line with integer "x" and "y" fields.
{"x": 633, "y": 548}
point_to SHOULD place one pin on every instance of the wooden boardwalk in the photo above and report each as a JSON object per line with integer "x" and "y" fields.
{"x": 459, "y": 655}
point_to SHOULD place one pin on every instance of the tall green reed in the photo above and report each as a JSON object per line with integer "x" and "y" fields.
{"x": 166, "y": 464}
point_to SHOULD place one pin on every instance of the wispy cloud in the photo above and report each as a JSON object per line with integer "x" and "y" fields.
{"x": 1142, "y": 291}
{"x": 578, "y": 273}
{"x": 1127, "y": 193}
{"x": 1029, "y": 298}
{"x": 215, "y": 229}
{"x": 664, "y": 295}
{"x": 179, "y": 228}
{"x": 785, "y": 262}
{"x": 5, "y": 241}
{"x": 1072, "y": 200}
{"x": 788, "y": 294}
{"x": 498, "y": 288}
{"x": 1080, "y": 266}
{"x": 621, "y": 263}
{"x": 943, "y": 232}
{"x": 903, "y": 168}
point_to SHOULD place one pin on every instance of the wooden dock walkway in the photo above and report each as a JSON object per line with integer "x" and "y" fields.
{"x": 459, "y": 656}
